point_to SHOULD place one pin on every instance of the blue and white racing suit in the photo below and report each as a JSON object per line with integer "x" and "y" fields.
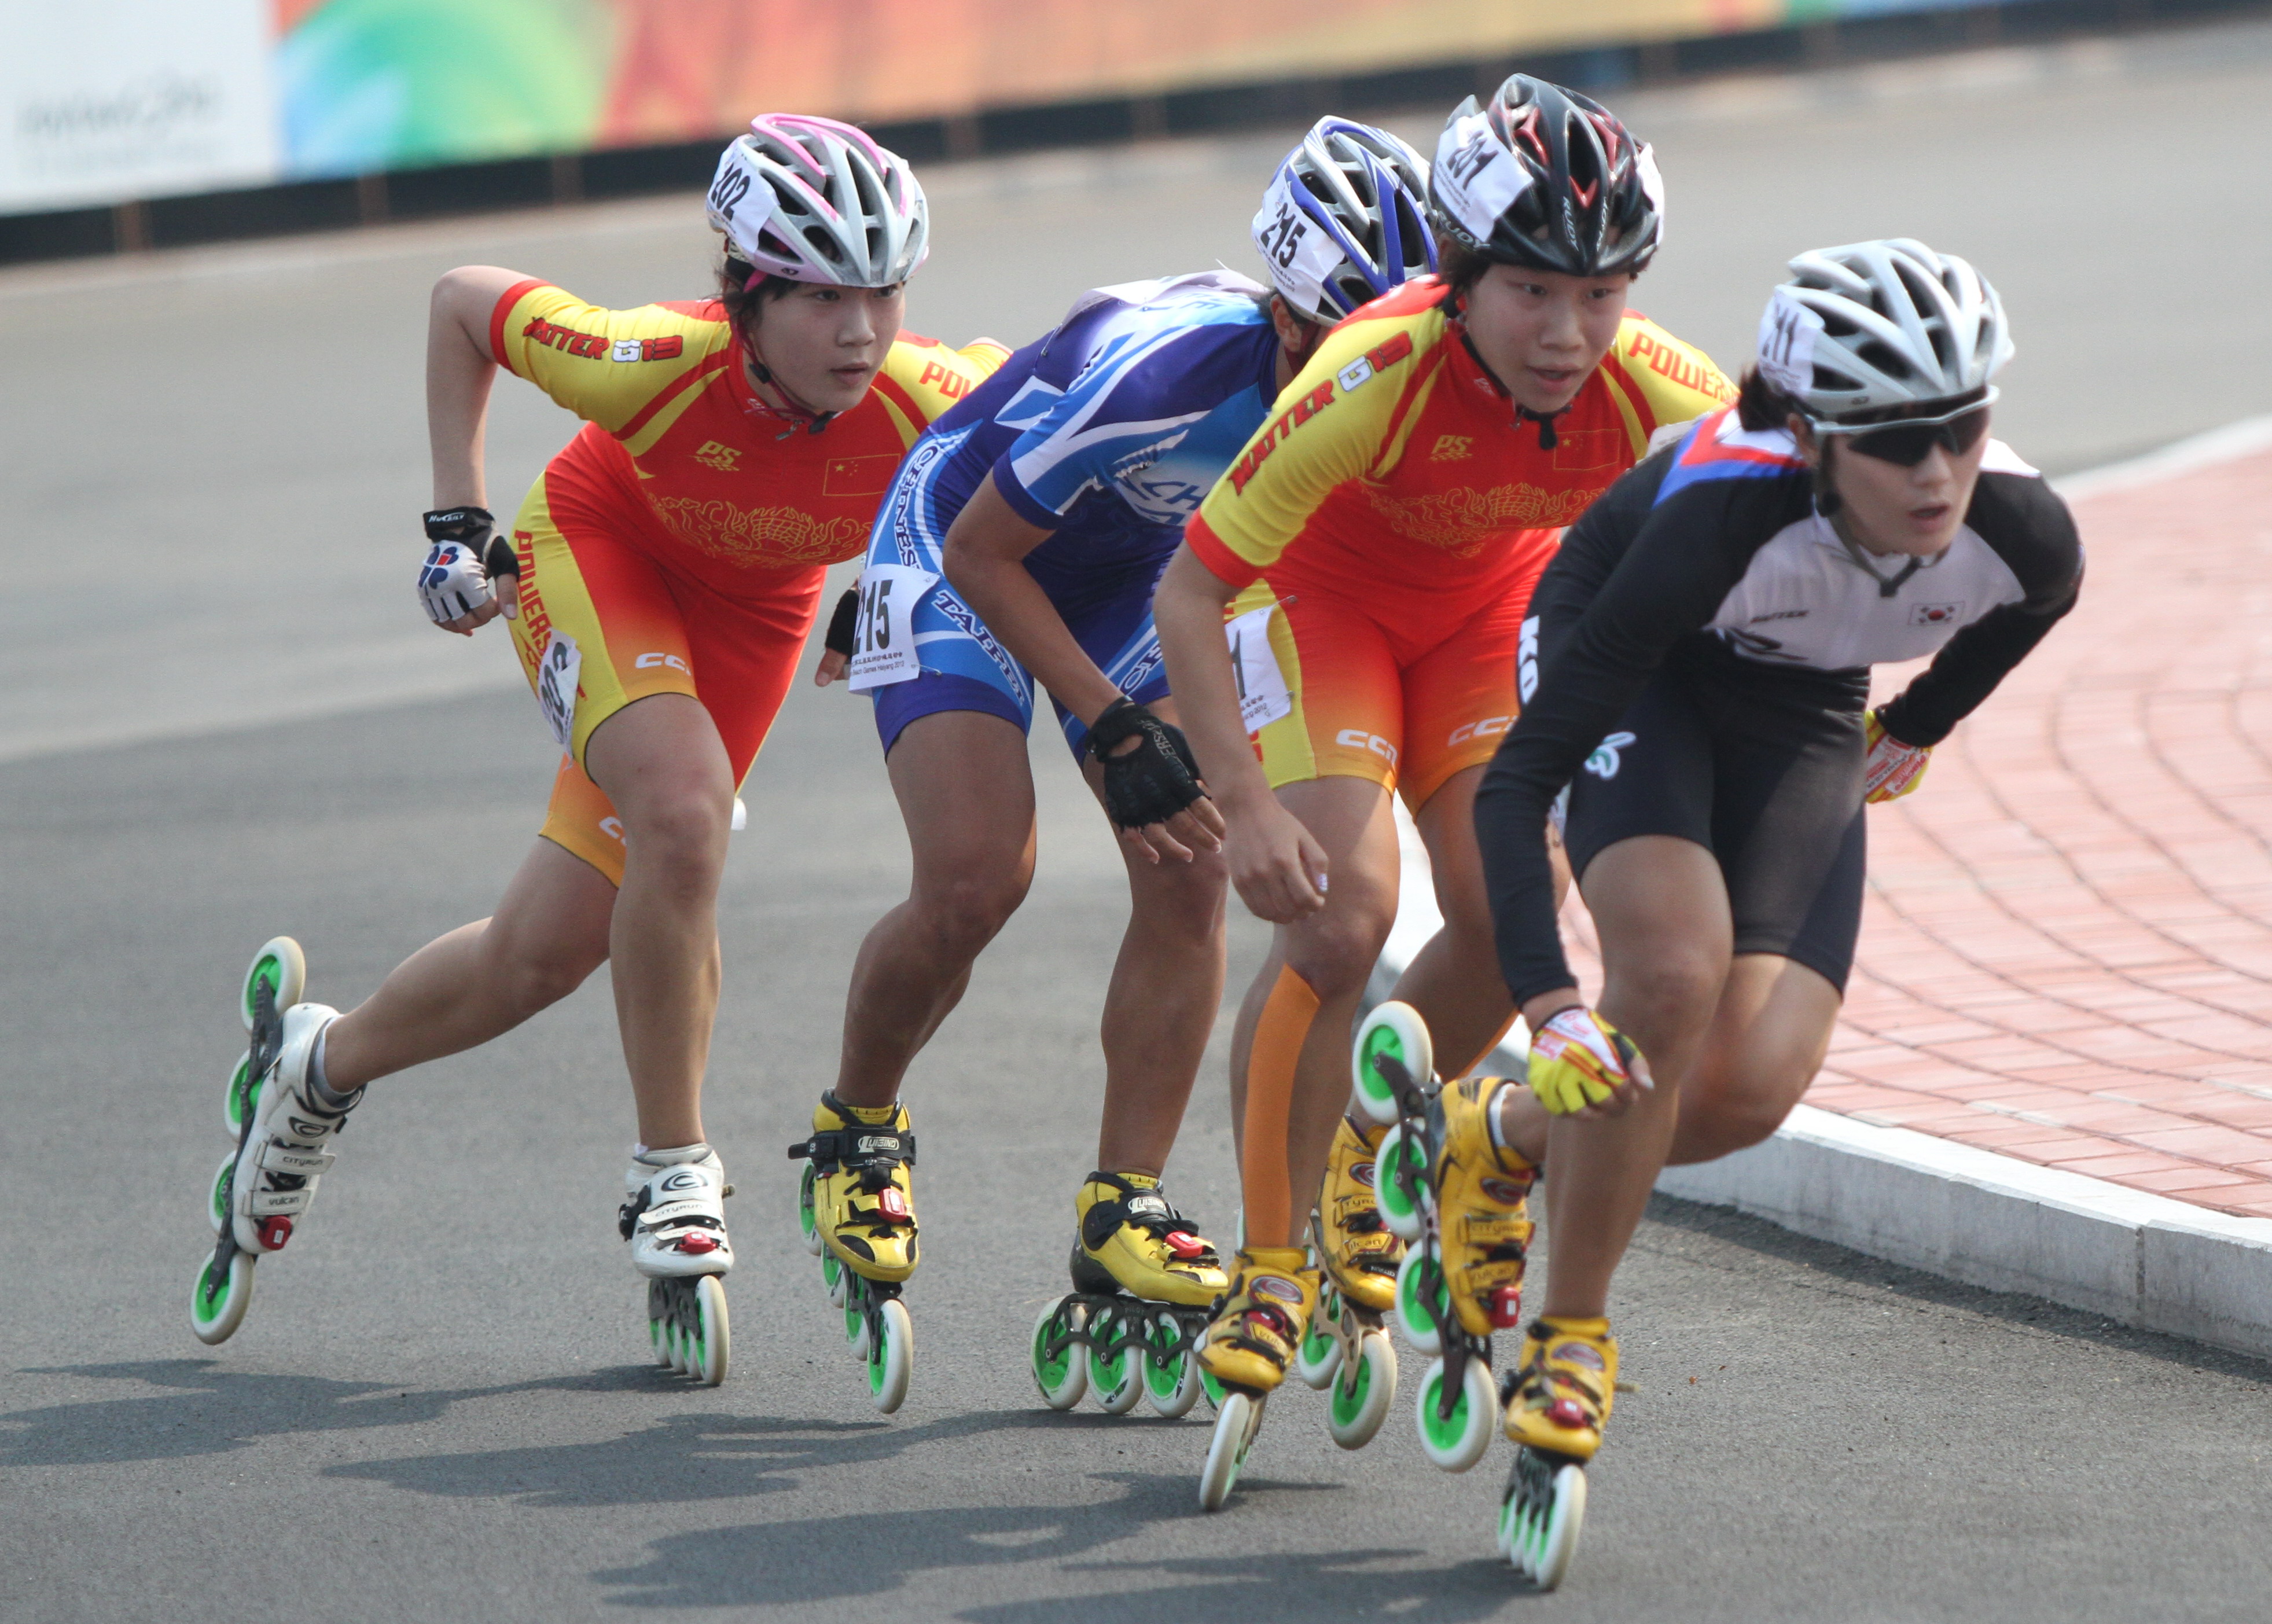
{"x": 1109, "y": 431}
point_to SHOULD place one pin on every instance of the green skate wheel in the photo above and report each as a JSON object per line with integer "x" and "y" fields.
{"x": 714, "y": 1339}
{"x": 217, "y": 1203}
{"x": 1171, "y": 1372}
{"x": 1456, "y": 1441}
{"x": 1360, "y": 1397}
{"x": 243, "y": 1099}
{"x": 1423, "y": 1315}
{"x": 1392, "y": 1031}
{"x": 1319, "y": 1356}
{"x": 891, "y": 1356}
{"x": 1236, "y": 1424}
{"x": 218, "y": 1299}
{"x": 1541, "y": 1513}
{"x": 833, "y": 1276}
{"x": 808, "y": 1225}
{"x": 1060, "y": 1370}
{"x": 1116, "y": 1362}
{"x": 283, "y": 967}
{"x": 856, "y": 1316}
{"x": 1400, "y": 1183}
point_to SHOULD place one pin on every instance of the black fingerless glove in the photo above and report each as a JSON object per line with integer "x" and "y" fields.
{"x": 1152, "y": 782}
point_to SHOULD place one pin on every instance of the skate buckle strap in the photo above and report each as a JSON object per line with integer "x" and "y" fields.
{"x": 860, "y": 1148}
{"x": 1185, "y": 1244}
{"x": 280, "y": 1156}
{"x": 1492, "y": 1229}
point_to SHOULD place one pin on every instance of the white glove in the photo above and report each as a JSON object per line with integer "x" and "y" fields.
{"x": 454, "y": 582}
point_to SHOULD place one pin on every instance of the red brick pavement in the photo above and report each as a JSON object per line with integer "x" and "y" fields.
{"x": 2066, "y": 952}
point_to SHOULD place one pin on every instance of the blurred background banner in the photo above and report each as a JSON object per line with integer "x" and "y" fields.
{"x": 112, "y": 100}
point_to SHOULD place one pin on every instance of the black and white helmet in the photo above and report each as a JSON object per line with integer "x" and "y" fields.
{"x": 1345, "y": 220}
{"x": 819, "y": 201}
{"x": 1545, "y": 178}
{"x": 1869, "y": 326}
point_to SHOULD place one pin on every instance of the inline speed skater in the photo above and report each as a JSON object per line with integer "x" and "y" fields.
{"x": 1705, "y": 640}
{"x": 1020, "y": 543}
{"x": 659, "y": 580}
{"x": 1373, "y": 549}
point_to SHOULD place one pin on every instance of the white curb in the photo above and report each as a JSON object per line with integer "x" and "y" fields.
{"x": 1954, "y": 1209}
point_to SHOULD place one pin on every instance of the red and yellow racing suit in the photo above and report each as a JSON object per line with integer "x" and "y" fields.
{"x": 1387, "y": 527}
{"x": 678, "y": 544}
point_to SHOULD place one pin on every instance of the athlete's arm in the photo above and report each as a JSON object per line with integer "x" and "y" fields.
{"x": 2029, "y": 527}
{"x": 1279, "y": 870}
{"x": 984, "y": 561}
{"x": 459, "y": 372}
{"x": 1671, "y": 576}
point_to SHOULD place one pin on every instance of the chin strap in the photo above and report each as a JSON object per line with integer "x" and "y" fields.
{"x": 1547, "y": 438}
{"x": 797, "y": 412}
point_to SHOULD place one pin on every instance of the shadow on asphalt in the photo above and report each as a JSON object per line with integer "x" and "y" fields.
{"x": 1824, "y": 1259}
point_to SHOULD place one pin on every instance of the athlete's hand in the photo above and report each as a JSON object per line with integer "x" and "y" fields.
{"x": 1892, "y": 769}
{"x": 837, "y": 643}
{"x": 462, "y": 581}
{"x": 1580, "y": 1064}
{"x": 1278, "y": 869}
{"x": 1150, "y": 783}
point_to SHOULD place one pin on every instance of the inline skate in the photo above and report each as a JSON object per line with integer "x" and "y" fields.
{"x": 1246, "y": 1350}
{"x": 1559, "y": 1401}
{"x": 1142, "y": 1280}
{"x": 672, "y": 1215}
{"x": 855, "y": 1210}
{"x": 1346, "y": 1347}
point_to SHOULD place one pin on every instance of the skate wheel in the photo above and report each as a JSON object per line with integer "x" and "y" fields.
{"x": 1455, "y": 1440}
{"x": 219, "y": 1300}
{"x": 1392, "y": 1031}
{"x": 1541, "y": 1514}
{"x": 808, "y": 1224}
{"x": 833, "y": 1276}
{"x": 1171, "y": 1369}
{"x": 217, "y": 1202}
{"x": 1400, "y": 1184}
{"x": 242, "y": 1097}
{"x": 891, "y": 1356}
{"x": 714, "y": 1339}
{"x": 1420, "y": 1312}
{"x": 1059, "y": 1371}
{"x": 1318, "y": 1357}
{"x": 1116, "y": 1362}
{"x": 284, "y": 968}
{"x": 1362, "y": 1395}
{"x": 1235, "y": 1423}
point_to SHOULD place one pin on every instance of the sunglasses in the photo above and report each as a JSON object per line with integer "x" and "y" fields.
{"x": 1907, "y": 444}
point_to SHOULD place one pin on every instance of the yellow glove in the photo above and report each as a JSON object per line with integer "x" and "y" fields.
{"x": 1892, "y": 769}
{"x": 1578, "y": 1059}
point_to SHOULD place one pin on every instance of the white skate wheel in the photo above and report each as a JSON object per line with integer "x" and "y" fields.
{"x": 1234, "y": 1425}
{"x": 217, "y": 1308}
{"x": 1405, "y": 1213}
{"x": 1419, "y": 1314}
{"x": 1116, "y": 1363}
{"x": 1455, "y": 1441}
{"x": 1392, "y": 1031}
{"x": 835, "y": 1276}
{"x": 1540, "y": 1517}
{"x": 808, "y": 1223}
{"x": 1060, "y": 1370}
{"x": 891, "y": 1361}
{"x": 1363, "y": 1394}
{"x": 713, "y": 1343}
{"x": 1318, "y": 1357}
{"x": 284, "y": 968}
{"x": 1171, "y": 1380}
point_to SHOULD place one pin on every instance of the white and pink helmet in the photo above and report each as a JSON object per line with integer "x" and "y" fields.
{"x": 817, "y": 201}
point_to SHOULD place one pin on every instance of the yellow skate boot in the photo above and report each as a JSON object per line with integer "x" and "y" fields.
{"x": 1131, "y": 1240}
{"x": 1482, "y": 1196}
{"x": 862, "y": 1200}
{"x": 1258, "y": 1323}
{"x": 1566, "y": 1383}
{"x": 1355, "y": 1247}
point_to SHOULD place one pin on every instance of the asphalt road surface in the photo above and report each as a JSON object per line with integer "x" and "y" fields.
{"x": 225, "y": 719}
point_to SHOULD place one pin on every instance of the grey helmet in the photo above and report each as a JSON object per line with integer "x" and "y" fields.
{"x": 1873, "y": 326}
{"x": 817, "y": 201}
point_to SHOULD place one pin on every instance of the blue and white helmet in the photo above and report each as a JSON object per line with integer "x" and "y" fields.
{"x": 1345, "y": 220}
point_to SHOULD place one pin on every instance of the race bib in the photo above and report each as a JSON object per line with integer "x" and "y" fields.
{"x": 555, "y": 686}
{"x": 1302, "y": 253}
{"x": 884, "y": 639}
{"x": 1262, "y": 693}
{"x": 1652, "y": 187}
{"x": 1475, "y": 177}
{"x": 1788, "y": 329}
